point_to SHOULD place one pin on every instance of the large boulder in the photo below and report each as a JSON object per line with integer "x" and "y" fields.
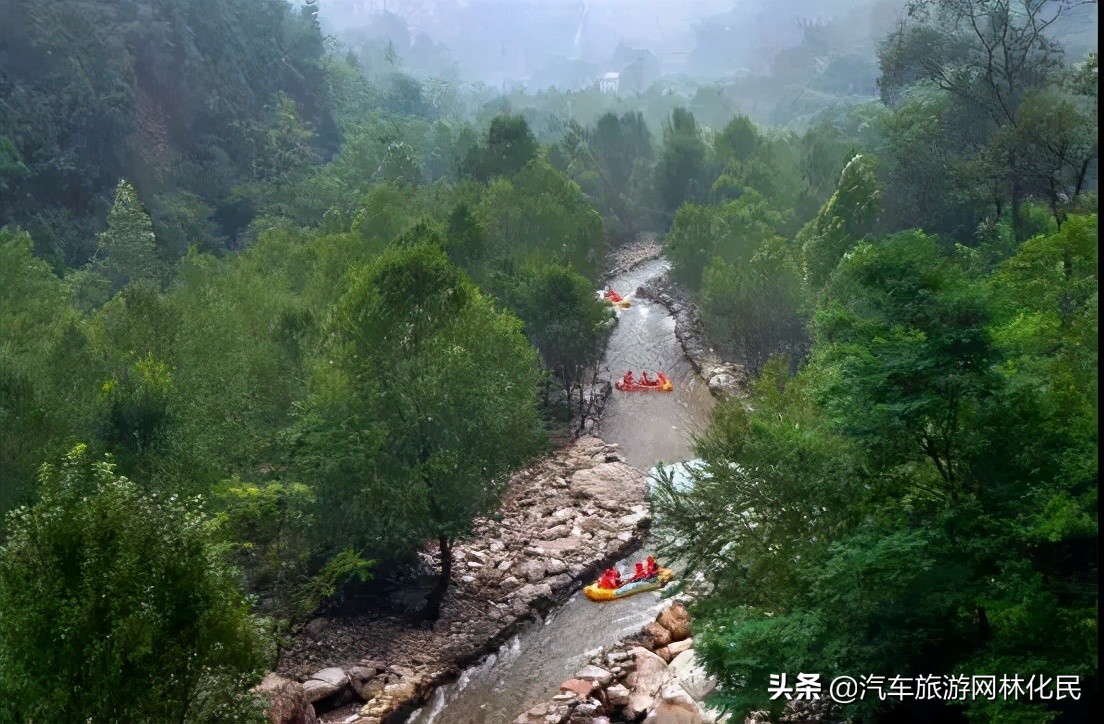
{"x": 287, "y": 701}
{"x": 648, "y": 677}
{"x": 693, "y": 677}
{"x": 655, "y": 636}
{"x": 676, "y": 707}
{"x": 609, "y": 481}
{"x": 675, "y": 619}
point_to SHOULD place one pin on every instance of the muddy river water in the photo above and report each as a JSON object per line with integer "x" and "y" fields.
{"x": 651, "y": 428}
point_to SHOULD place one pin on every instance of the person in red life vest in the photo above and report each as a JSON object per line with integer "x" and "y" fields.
{"x": 651, "y": 568}
{"x": 610, "y": 579}
{"x": 645, "y": 380}
{"x": 627, "y": 380}
{"x": 640, "y": 575}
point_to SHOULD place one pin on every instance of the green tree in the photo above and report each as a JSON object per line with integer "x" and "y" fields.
{"x": 990, "y": 55}
{"x": 48, "y": 371}
{"x": 732, "y": 231}
{"x": 566, "y": 323}
{"x": 127, "y": 251}
{"x": 432, "y": 403}
{"x": 541, "y": 216}
{"x": 847, "y": 217}
{"x": 125, "y": 596}
{"x": 681, "y": 169}
{"x": 755, "y": 310}
{"x": 508, "y": 146}
{"x": 920, "y": 497}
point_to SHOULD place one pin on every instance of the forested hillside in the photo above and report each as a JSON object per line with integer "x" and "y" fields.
{"x": 273, "y": 319}
{"x": 911, "y": 488}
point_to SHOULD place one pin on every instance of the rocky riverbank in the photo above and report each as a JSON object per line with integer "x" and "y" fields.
{"x": 725, "y": 379}
{"x": 655, "y": 677}
{"x": 562, "y": 521}
{"x": 652, "y": 676}
{"x": 644, "y": 248}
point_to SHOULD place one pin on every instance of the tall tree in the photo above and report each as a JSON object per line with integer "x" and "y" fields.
{"x": 681, "y": 173}
{"x": 128, "y": 249}
{"x": 437, "y": 392}
{"x": 566, "y": 323}
{"x": 507, "y": 147}
{"x": 990, "y": 54}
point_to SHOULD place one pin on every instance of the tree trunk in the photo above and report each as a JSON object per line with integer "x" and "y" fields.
{"x": 983, "y": 623}
{"x": 1016, "y": 200}
{"x": 432, "y": 610}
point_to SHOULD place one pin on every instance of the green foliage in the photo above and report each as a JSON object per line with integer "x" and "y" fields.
{"x": 270, "y": 526}
{"x": 508, "y": 146}
{"x": 127, "y": 252}
{"x": 755, "y": 309}
{"x": 564, "y": 320}
{"x": 11, "y": 164}
{"x": 732, "y": 231}
{"x": 124, "y": 596}
{"x": 137, "y": 406}
{"x": 429, "y": 402}
{"x": 48, "y": 385}
{"x": 173, "y": 95}
{"x": 682, "y": 168}
{"x": 921, "y": 496}
{"x": 847, "y": 217}
{"x": 612, "y": 163}
{"x": 540, "y": 216}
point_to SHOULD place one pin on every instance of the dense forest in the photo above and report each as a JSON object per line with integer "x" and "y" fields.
{"x": 276, "y": 311}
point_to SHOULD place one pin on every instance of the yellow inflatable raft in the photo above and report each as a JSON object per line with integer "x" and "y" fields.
{"x": 596, "y": 593}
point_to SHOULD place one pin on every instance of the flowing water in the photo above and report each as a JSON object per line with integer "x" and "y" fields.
{"x": 650, "y": 427}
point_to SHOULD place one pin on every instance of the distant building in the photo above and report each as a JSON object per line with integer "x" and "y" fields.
{"x": 609, "y": 83}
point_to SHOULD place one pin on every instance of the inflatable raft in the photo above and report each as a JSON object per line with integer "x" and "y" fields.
{"x": 661, "y": 384}
{"x": 596, "y": 593}
{"x": 614, "y": 298}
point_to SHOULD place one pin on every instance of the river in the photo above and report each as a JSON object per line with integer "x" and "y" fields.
{"x": 650, "y": 428}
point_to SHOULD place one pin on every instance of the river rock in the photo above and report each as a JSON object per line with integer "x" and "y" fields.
{"x": 363, "y": 682}
{"x": 651, "y": 671}
{"x": 617, "y": 695}
{"x": 655, "y": 636}
{"x": 675, "y": 619}
{"x": 532, "y": 591}
{"x": 287, "y": 701}
{"x": 594, "y": 673}
{"x": 325, "y": 683}
{"x": 580, "y": 687}
{"x": 557, "y": 531}
{"x": 675, "y": 648}
{"x": 532, "y": 571}
{"x": 400, "y": 690}
{"x": 676, "y": 707}
{"x": 692, "y": 675}
{"x": 608, "y": 482}
{"x": 632, "y": 520}
{"x": 554, "y": 567}
{"x": 724, "y": 384}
